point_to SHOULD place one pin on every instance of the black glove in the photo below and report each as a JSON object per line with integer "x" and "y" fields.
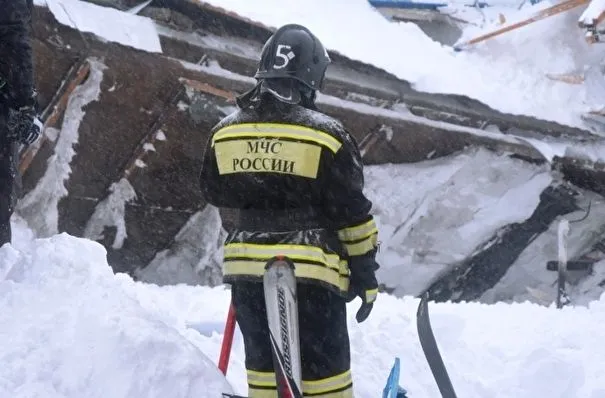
{"x": 363, "y": 283}
{"x": 23, "y": 125}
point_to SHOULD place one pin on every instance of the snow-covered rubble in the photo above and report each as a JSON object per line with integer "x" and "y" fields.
{"x": 441, "y": 210}
{"x": 529, "y": 274}
{"x": 508, "y": 73}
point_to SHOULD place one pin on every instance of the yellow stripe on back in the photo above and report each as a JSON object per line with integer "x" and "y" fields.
{"x": 276, "y": 130}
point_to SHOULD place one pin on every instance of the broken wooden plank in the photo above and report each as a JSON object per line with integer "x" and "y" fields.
{"x": 209, "y": 89}
{"x": 542, "y": 14}
{"x": 569, "y": 78}
{"x": 55, "y": 109}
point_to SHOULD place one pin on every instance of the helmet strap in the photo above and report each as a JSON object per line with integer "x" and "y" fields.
{"x": 308, "y": 96}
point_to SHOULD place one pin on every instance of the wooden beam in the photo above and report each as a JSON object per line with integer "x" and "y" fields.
{"x": 151, "y": 136}
{"x": 54, "y": 110}
{"x": 569, "y": 78}
{"x": 543, "y": 14}
{"x": 209, "y": 89}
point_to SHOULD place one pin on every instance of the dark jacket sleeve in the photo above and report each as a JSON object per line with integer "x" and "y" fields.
{"x": 16, "y": 57}
{"x": 345, "y": 202}
{"x": 209, "y": 175}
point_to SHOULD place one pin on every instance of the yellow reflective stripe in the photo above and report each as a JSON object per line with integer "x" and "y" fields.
{"x": 263, "y": 384}
{"x": 261, "y": 379}
{"x": 276, "y": 130}
{"x": 301, "y": 270}
{"x": 359, "y": 248}
{"x": 343, "y": 268}
{"x": 261, "y": 392}
{"x": 346, "y": 393}
{"x": 331, "y": 384}
{"x": 358, "y": 232}
{"x": 371, "y": 295}
{"x": 272, "y": 393}
{"x": 294, "y": 252}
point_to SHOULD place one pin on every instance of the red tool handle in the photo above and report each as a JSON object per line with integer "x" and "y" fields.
{"x": 223, "y": 361}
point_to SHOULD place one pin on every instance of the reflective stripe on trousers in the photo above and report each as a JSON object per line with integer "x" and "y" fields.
{"x": 262, "y": 385}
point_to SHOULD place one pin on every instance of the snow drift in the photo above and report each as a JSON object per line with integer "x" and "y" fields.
{"x": 71, "y": 328}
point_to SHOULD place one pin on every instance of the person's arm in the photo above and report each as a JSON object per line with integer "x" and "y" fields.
{"x": 346, "y": 204}
{"x": 209, "y": 177}
{"x": 213, "y": 185}
{"x": 349, "y": 209}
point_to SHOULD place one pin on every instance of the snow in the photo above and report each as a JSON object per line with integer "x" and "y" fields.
{"x": 111, "y": 212}
{"x": 507, "y": 73}
{"x": 550, "y": 149}
{"x": 72, "y": 328}
{"x": 160, "y": 136}
{"x": 106, "y": 23}
{"x": 149, "y": 147}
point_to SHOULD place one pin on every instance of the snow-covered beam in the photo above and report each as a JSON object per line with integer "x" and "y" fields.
{"x": 107, "y": 23}
{"x": 590, "y": 19}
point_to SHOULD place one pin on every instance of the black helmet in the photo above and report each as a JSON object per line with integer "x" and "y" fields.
{"x": 294, "y": 52}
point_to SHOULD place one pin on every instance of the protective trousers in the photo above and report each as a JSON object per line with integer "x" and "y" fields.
{"x": 324, "y": 341}
{"x": 8, "y": 185}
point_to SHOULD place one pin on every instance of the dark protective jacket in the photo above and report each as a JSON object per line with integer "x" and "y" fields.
{"x": 297, "y": 177}
{"x": 16, "y": 79}
{"x": 16, "y": 65}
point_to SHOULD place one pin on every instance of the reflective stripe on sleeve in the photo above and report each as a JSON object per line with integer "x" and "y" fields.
{"x": 358, "y": 232}
{"x": 371, "y": 295}
{"x": 361, "y": 247}
{"x": 359, "y": 239}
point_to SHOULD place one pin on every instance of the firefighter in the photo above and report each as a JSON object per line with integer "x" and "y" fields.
{"x": 18, "y": 122}
{"x": 296, "y": 177}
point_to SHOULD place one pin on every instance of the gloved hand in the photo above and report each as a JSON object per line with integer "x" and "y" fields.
{"x": 23, "y": 125}
{"x": 363, "y": 283}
